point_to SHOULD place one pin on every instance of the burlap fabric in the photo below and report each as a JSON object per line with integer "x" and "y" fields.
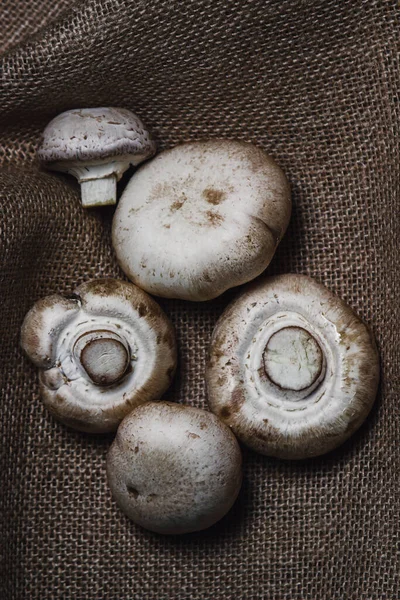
{"x": 317, "y": 85}
{"x": 22, "y": 18}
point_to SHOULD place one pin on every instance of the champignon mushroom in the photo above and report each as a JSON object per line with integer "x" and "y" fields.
{"x": 292, "y": 370}
{"x": 201, "y": 218}
{"x": 174, "y": 469}
{"x": 95, "y": 145}
{"x": 101, "y": 352}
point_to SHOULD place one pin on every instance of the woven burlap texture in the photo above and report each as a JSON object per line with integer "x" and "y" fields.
{"x": 21, "y": 19}
{"x": 317, "y": 85}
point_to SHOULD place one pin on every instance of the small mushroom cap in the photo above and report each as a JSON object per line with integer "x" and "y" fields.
{"x": 93, "y": 134}
{"x": 292, "y": 370}
{"x": 201, "y": 218}
{"x": 102, "y": 352}
{"x": 174, "y": 469}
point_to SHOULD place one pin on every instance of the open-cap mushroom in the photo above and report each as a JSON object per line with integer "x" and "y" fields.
{"x": 174, "y": 469}
{"x": 95, "y": 145}
{"x": 201, "y": 218}
{"x": 292, "y": 370}
{"x": 101, "y": 352}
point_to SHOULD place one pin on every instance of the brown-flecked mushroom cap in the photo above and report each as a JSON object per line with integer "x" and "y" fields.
{"x": 95, "y": 145}
{"x": 174, "y": 469}
{"x": 201, "y": 218}
{"x": 100, "y": 353}
{"x": 292, "y": 370}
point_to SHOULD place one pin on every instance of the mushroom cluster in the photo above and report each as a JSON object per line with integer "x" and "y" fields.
{"x": 106, "y": 353}
{"x": 292, "y": 371}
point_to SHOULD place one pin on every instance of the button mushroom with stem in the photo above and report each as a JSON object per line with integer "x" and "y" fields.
{"x": 201, "y": 218}
{"x": 100, "y": 352}
{"x": 292, "y": 370}
{"x": 174, "y": 469}
{"x": 97, "y": 146}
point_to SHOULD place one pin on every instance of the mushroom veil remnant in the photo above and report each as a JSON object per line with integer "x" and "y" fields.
{"x": 101, "y": 352}
{"x": 95, "y": 145}
{"x": 201, "y": 218}
{"x": 292, "y": 370}
{"x": 174, "y": 469}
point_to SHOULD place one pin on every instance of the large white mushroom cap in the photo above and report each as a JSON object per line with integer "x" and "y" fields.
{"x": 201, "y": 218}
{"x": 100, "y": 353}
{"x": 174, "y": 469}
{"x": 292, "y": 370}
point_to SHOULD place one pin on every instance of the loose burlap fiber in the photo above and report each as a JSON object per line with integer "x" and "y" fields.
{"x": 317, "y": 85}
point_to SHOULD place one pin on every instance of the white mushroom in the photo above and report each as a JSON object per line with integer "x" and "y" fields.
{"x": 174, "y": 469}
{"x": 201, "y": 218}
{"x": 292, "y": 370}
{"x": 101, "y": 352}
{"x": 95, "y": 145}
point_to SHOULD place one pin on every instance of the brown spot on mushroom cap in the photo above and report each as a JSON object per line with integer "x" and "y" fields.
{"x": 214, "y": 218}
{"x": 132, "y": 491}
{"x": 222, "y": 380}
{"x": 238, "y": 397}
{"x": 177, "y": 205}
{"x": 143, "y": 310}
{"x": 217, "y": 348}
{"x": 169, "y": 338}
{"x": 214, "y": 196}
{"x": 224, "y": 412}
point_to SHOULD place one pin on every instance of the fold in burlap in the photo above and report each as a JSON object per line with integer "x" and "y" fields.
{"x": 317, "y": 85}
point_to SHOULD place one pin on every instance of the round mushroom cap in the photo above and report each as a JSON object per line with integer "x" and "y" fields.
{"x": 201, "y": 218}
{"x": 101, "y": 352}
{"x": 93, "y": 134}
{"x": 292, "y": 370}
{"x": 174, "y": 469}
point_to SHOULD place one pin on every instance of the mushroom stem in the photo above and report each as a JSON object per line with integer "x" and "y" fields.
{"x": 105, "y": 360}
{"x": 293, "y": 359}
{"x": 99, "y": 192}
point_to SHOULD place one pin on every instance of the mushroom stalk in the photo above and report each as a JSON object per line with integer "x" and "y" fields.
{"x": 99, "y": 192}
